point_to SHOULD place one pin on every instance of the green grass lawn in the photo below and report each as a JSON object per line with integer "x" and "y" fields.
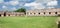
{"x": 28, "y": 22}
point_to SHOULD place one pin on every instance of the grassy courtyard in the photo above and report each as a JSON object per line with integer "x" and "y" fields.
{"x": 28, "y": 22}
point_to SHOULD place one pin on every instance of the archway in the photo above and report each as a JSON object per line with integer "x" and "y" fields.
{"x": 0, "y": 15}
{"x": 4, "y": 13}
{"x": 8, "y": 14}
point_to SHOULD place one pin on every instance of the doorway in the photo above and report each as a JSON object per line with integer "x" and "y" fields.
{"x": 4, "y": 13}
{"x": 8, "y": 14}
{"x": 0, "y": 15}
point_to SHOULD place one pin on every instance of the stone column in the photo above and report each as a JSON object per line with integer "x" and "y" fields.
{"x": 29, "y": 13}
{"x": 6, "y": 15}
{"x": 37, "y": 14}
{"x": 14, "y": 14}
{"x": 2, "y": 15}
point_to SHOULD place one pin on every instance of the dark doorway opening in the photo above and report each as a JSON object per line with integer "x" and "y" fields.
{"x": 44, "y": 12}
{"x": 39, "y": 13}
{"x": 49, "y": 12}
{"x": 34, "y": 13}
{"x": 0, "y": 15}
{"x": 55, "y": 12}
{"x": 4, "y": 13}
{"x": 59, "y": 25}
{"x": 8, "y": 14}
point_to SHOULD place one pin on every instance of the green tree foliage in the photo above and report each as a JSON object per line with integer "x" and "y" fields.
{"x": 21, "y": 10}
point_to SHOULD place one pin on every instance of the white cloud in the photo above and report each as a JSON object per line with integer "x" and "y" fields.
{"x": 39, "y": 4}
{"x": 52, "y": 3}
{"x": 4, "y": 6}
{"x": 22, "y": 0}
{"x": 1, "y": 1}
{"x": 35, "y": 5}
{"x": 14, "y": 3}
{"x": 31, "y": 4}
{"x": 44, "y": 1}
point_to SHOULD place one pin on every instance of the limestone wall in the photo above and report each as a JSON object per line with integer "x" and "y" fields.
{"x": 12, "y": 13}
{"x": 43, "y": 12}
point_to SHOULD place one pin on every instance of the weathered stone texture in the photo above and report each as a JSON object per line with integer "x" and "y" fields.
{"x": 11, "y": 13}
{"x": 43, "y": 12}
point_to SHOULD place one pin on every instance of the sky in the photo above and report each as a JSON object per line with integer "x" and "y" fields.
{"x": 28, "y": 4}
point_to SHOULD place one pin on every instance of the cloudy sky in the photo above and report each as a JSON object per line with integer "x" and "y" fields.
{"x": 28, "y": 4}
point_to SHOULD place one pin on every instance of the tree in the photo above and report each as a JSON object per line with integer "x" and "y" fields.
{"x": 21, "y": 10}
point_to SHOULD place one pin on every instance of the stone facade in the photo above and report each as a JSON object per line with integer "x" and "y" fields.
{"x": 2, "y": 13}
{"x": 35, "y": 12}
{"x": 44, "y": 12}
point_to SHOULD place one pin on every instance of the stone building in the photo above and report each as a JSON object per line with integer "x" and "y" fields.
{"x": 44, "y": 12}
{"x": 2, "y": 13}
{"x": 35, "y": 12}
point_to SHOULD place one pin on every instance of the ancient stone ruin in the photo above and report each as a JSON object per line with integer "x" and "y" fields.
{"x": 34, "y": 12}
{"x": 44, "y": 12}
{"x": 3, "y": 13}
